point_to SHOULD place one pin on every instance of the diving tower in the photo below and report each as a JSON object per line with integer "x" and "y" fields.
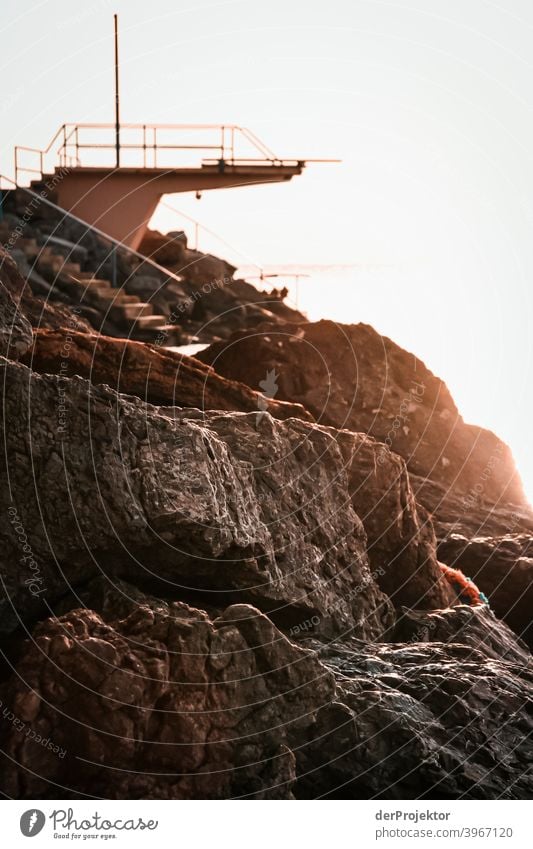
{"x": 113, "y": 177}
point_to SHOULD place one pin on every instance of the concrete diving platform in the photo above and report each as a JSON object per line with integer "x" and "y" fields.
{"x": 149, "y": 161}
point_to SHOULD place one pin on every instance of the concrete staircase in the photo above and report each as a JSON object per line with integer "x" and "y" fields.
{"x": 110, "y": 310}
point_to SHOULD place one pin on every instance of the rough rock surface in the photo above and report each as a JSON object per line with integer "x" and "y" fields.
{"x": 154, "y": 374}
{"x": 473, "y": 626}
{"x": 350, "y": 376}
{"x": 15, "y": 329}
{"x": 503, "y": 567}
{"x": 164, "y": 703}
{"x": 218, "y": 303}
{"x": 493, "y": 545}
{"x": 402, "y": 546}
{"x": 468, "y": 515}
{"x": 432, "y": 719}
{"x": 154, "y": 700}
{"x": 219, "y": 503}
{"x": 38, "y": 312}
{"x": 169, "y": 250}
{"x": 135, "y": 540}
{"x": 200, "y": 298}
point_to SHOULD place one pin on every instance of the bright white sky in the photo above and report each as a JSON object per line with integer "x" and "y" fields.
{"x": 427, "y": 102}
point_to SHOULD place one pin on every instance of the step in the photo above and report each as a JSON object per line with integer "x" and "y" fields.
{"x": 31, "y": 253}
{"x": 115, "y": 295}
{"x": 44, "y": 264}
{"x": 90, "y": 275}
{"x": 28, "y": 244}
{"x": 124, "y": 312}
{"x": 164, "y": 334}
{"x": 65, "y": 265}
{"x": 108, "y": 303}
{"x": 170, "y": 329}
{"x": 89, "y": 281}
{"x": 149, "y": 321}
{"x": 57, "y": 264}
{"x": 71, "y": 247}
{"x": 90, "y": 295}
{"x": 46, "y": 252}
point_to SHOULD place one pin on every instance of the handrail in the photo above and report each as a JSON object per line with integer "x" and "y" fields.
{"x": 229, "y": 137}
{"x": 91, "y": 228}
{"x": 269, "y": 154}
{"x": 202, "y": 227}
{"x": 70, "y": 146}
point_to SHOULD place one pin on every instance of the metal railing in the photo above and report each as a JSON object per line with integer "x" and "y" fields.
{"x": 114, "y": 244}
{"x": 147, "y": 146}
{"x": 203, "y": 238}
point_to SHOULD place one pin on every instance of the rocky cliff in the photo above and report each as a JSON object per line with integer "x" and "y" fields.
{"x": 214, "y": 592}
{"x": 349, "y": 376}
{"x": 169, "y": 294}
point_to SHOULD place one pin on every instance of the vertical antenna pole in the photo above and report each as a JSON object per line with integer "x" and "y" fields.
{"x": 117, "y": 98}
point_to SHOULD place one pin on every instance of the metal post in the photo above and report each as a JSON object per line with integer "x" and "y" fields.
{"x": 117, "y": 98}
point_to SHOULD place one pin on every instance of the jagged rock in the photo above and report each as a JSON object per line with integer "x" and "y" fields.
{"x": 401, "y": 541}
{"x": 38, "y": 312}
{"x": 200, "y": 284}
{"x": 214, "y": 303}
{"x": 472, "y": 626}
{"x": 164, "y": 703}
{"x": 503, "y": 568}
{"x": 200, "y": 267}
{"x": 430, "y": 719}
{"x": 167, "y": 297}
{"x": 468, "y": 515}
{"x": 15, "y": 329}
{"x": 165, "y": 250}
{"x": 160, "y": 700}
{"x": 152, "y": 373}
{"x": 492, "y": 544}
{"x": 349, "y": 376}
{"x": 236, "y": 506}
